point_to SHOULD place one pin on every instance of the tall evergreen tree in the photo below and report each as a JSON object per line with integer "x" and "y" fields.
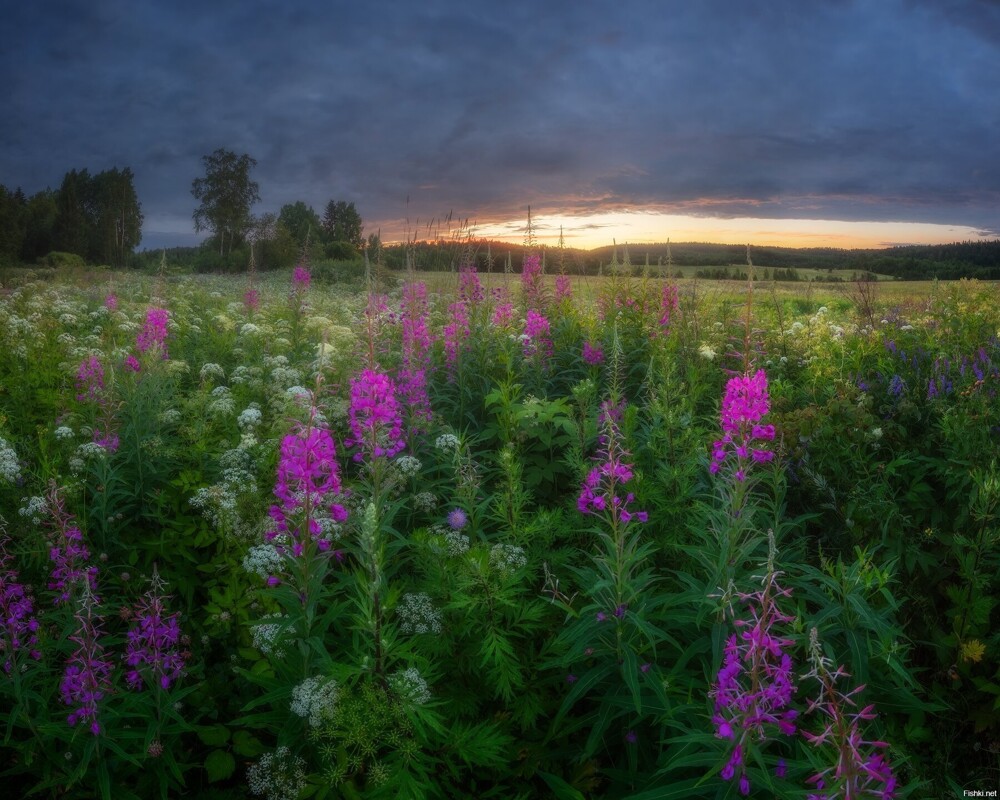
{"x": 342, "y": 223}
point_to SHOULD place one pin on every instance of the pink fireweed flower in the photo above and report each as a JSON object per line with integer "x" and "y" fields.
{"x": 375, "y": 416}
{"x": 154, "y": 331}
{"x": 153, "y": 642}
{"x": 538, "y": 341}
{"x": 251, "y": 299}
{"x": 308, "y": 489}
{"x": 89, "y": 379}
{"x": 859, "y": 769}
{"x": 86, "y": 678}
{"x": 531, "y": 280}
{"x": 564, "y": 289}
{"x": 417, "y": 343}
{"x": 68, "y": 554}
{"x": 455, "y": 332}
{"x": 669, "y": 303}
{"x": 111, "y": 302}
{"x": 470, "y": 289}
{"x": 18, "y": 626}
{"x": 503, "y": 314}
{"x": 744, "y": 405}
{"x": 132, "y": 363}
{"x": 593, "y": 354}
{"x": 599, "y": 493}
{"x": 753, "y": 690}
{"x": 300, "y": 279}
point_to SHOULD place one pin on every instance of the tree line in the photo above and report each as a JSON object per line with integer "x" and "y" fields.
{"x": 97, "y": 218}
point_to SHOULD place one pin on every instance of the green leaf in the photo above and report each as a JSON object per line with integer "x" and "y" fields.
{"x": 215, "y": 735}
{"x": 220, "y": 764}
{"x": 560, "y": 789}
{"x": 247, "y": 745}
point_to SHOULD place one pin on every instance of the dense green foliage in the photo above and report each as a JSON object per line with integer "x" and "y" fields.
{"x": 466, "y": 631}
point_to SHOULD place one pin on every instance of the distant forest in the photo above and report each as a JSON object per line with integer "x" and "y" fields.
{"x": 979, "y": 259}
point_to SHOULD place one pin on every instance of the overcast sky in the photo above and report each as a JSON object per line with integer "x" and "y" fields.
{"x": 820, "y": 110}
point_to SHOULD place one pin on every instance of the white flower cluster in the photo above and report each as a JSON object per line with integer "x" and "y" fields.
{"x": 33, "y": 508}
{"x": 458, "y": 543}
{"x": 212, "y": 372}
{"x": 285, "y": 376}
{"x": 297, "y": 392}
{"x": 706, "y": 352}
{"x": 224, "y": 405}
{"x": 507, "y": 558}
{"x": 10, "y": 467}
{"x": 447, "y": 442}
{"x": 410, "y": 685}
{"x": 249, "y": 329}
{"x": 219, "y": 502}
{"x": 170, "y": 417}
{"x": 408, "y": 466}
{"x": 315, "y": 699}
{"x": 418, "y": 614}
{"x": 424, "y": 501}
{"x": 263, "y": 560}
{"x": 249, "y": 418}
{"x": 64, "y": 432}
{"x": 249, "y": 376}
{"x": 278, "y": 775}
{"x": 267, "y": 635}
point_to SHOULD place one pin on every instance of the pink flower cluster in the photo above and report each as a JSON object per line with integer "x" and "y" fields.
{"x": 417, "y": 344}
{"x": 86, "y": 678}
{"x": 753, "y": 690}
{"x": 599, "y": 493}
{"x": 308, "y": 488}
{"x": 300, "y": 279}
{"x": 531, "y": 280}
{"x": 18, "y": 626}
{"x": 537, "y": 332}
{"x": 470, "y": 289}
{"x": 111, "y": 302}
{"x": 669, "y": 303}
{"x": 455, "y": 332}
{"x": 503, "y": 314}
{"x": 69, "y": 558}
{"x": 375, "y": 416}
{"x": 744, "y": 405}
{"x": 860, "y": 769}
{"x": 251, "y": 300}
{"x": 153, "y": 642}
{"x": 89, "y": 379}
{"x": 564, "y": 289}
{"x": 593, "y": 354}
{"x": 154, "y": 331}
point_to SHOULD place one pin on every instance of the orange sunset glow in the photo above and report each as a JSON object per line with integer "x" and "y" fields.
{"x": 597, "y": 230}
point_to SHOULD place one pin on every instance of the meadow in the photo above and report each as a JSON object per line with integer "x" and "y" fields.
{"x": 504, "y": 536}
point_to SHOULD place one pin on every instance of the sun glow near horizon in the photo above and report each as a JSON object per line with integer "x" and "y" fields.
{"x": 638, "y": 227}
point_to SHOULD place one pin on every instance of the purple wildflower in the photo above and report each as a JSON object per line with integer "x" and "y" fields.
{"x": 89, "y": 379}
{"x": 455, "y": 332}
{"x": 417, "y": 344}
{"x": 503, "y": 314}
{"x": 600, "y": 490}
{"x": 18, "y": 626}
{"x": 564, "y": 289}
{"x": 301, "y": 279}
{"x": 154, "y": 332}
{"x": 152, "y": 650}
{"x": 457, "y": 519}
{"x": 860, "y": 769}
{"x": 593, "y": 354}
{"x": 669, "y": 303}
{"x": 537, "y": 341}
{"x": 308, "y": 488}
{"x": 251, "y": 299}
{"x": 531, "y": 280}
{"x": 86, "y": 677}
{"x": 111, "y": 302}
{"x": 753, "y": 690}
{"x": 744, "y": 405}
{"x": 470, "y": 290}
{"x": 375, "y": 416}
{"x": 132, "y": 363}
{"x": 68, "y": 554}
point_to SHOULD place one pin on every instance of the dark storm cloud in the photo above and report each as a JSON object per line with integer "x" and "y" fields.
{"x": 845, "y": 110}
